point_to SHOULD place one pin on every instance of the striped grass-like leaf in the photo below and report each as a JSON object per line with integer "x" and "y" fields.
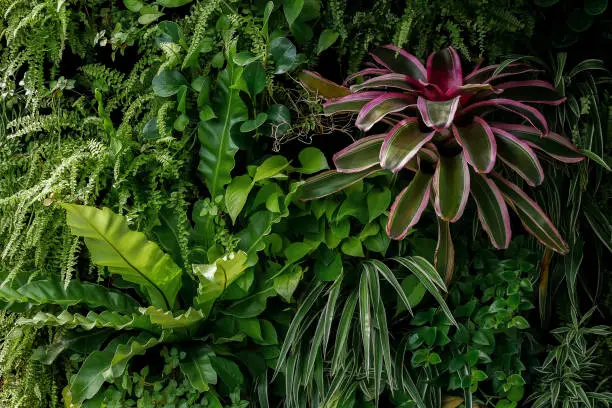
{"x": 342, "y": 333}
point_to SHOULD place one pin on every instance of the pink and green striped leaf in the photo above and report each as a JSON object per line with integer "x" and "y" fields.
{"x": 485, "y": 75}
{"x": 529, "y": 113}
{"x": 350, "y": 103}
{"x": 492, "y": 210}
{"x": 378, "y": 108}
{"x": 554, "y": 144}
{"x": 531, "y": 215}
{"x": 438, "y": 115}
{"x": 519, "y": 157}
{"x": 330, "y": 182}
{"x": 392, "y": 80}
{"x": 478, "y": 144}
{"x": 361, "y": 155}
{"x": 451, "y": 184}
{"x": 532, "y": 91}
{"x": 409, "y": 205}
{"x": 323, "y": 87}
{"x": 366, "y": 72}
{"x": 402, "y": 144}
{"x": 444, "y": 69}
{"x": 398, "y": 60}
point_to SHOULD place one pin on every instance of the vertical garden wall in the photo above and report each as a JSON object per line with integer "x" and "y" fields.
{"x": 305, "y": 203}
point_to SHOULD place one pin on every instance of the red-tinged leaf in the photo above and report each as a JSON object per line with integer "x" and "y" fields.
{"x": 485, "y": 75}
{"x": 474, "y": 88}
{"x": 529, "y": 113}
{"x": 409, "y": 205}
{"x": 444, "y": 69}
{"x": 531, "y": 215}
{"x": 378, "y": 108}
{"x": 392, "y": 80}
{"x": 330, "y": 182}
{"x": 438, "y": 115}
{"x": 492, "y": 210}
{"x": 360, "y": 155}
{"x": 366, "y": 72}
{"x": 322, "y": 87}
{"x": 402, "y": 144}
{"x": 533, "y": 91}
{"x": 451, "y": 184}
{"x": 478, "y": 144}
{"x": 444, "y": 257}
{"x": 350, "y": 103}
{"x": 398, "y": 60}
{"x": 554, "y": 144}
{"x": 519, "y": 157}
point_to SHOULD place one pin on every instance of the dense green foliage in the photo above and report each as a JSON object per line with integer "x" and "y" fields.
{"x": 161, "y": 247}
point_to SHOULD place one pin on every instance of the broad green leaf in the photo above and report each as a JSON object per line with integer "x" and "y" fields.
{"x": 292, "y": 9}
{"x": 251, "y": 125}
{"x": 216, "y": 277}
{"x": 254, "y": 76}
{"x": 105, "y": 365}
{"x": 328, "y": 264}
{"x": 133, "y": 5}
{"x": 451, "y": 184}
{"x": 252, "y": 237}
{"x": 250, "y": 327}
{"x": 236, "y": 195}
{"x": 270, "y": 168}
{"x": 127, "y": 253}
{"x": 229, "y": 373}
{"x": 167, "y": 320}
{"x": 283, "y": 53}
{"x": 409, "y": 205}
{"x": 198, "y": 368}
{"x": 217, "y": 135}
{"x": 251, "y": 306}
{"x": 297, "y": 251}
{"x": 312, "y": 161}
{"x": 381, "y": 107}
{"x": 492, "y": 210}
{"x": 414, "y": 291}
{"x": 287, "y": 283}
{"x": 169, "y": 83}
{"x": 378, "y": 202}
{"x": 352, "y": 247}
{"x": 148, "y": 17}
{"x": 54, "y": 292}
{"x": 327, "y": 39}
{"x": 533, "y": 218}
{"x": 244, "y": 58}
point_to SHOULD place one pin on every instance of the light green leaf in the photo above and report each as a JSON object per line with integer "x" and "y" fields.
{"x": 167, "y": 320}
{"x": 244, "y": 58}
{"x": 286, "y": 283}
{"x": 173, "y": 3}
{"x": 133, "y": 5}
{"x": 352, "y": 246}
{"x": 270, "y": 168}
{"x": 327, "y": 39}
{"x": 378, "y": 202}
{"x": 149, "y": 17}
{"x": 93, "y": 320}
{"x": 312, "y": 160}
{"x": 127, "y": 253}
{"x": 214, "y": 278}
{"x": 414, "y": 291}
{"x": 596, "y": 158}
{"x": 251, "y": 238}
{"x": 236, "y": 195}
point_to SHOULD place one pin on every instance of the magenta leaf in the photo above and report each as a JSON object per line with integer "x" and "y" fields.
{"x": 409, "y": 205}
{"x": 492, "y": 210}
{"x": 478, "y": 144}
{"x": 531, "y": 215}
{"x": 519, "y": 157}
{"x": 378, "y": 108}
{"x": 444, "y": 69}
{"x": 529, "y": 113}
{"x": 451, "y": 184}
{"x": 402, "y": 144}
{"x": 438, "y": 115}
{"x": 554, "y": 144}
{"x": 398, "y": 60}
{"x": 360, "y": 155}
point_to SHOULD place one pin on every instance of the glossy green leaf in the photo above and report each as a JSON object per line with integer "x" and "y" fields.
{"x": 216, "y": 136}
{"x": 330, "y": 182}
{"x": 251, "y": 125}
{"x": 492, "y": 210}
{"x": 352, "y": 247}
{"x": 133, "y": 5}
{"x": 198, "y": 368}
{"x": 251, "y": 237}
{"x": 312, "y": 161}
{"x": 173, "y": 3}
{"x": 169, "y": 83}
{"x": 327, "y": 39}
{"x": 378, "y": 202}
{"x": 270, "y": 168}
{"x": 236, "y": 195}
{"x": 409, "y": 205}
{"x": 127, "y": 253}
{"x": 292, "y": 9}
{"x": 283, "y": 53}
{"x": 167, "y": 320}
{"x": 519, "y": 157}
{"x": 254, "y": 76}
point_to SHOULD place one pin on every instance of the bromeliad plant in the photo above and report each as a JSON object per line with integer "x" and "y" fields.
{"x": 450, "y": 130}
